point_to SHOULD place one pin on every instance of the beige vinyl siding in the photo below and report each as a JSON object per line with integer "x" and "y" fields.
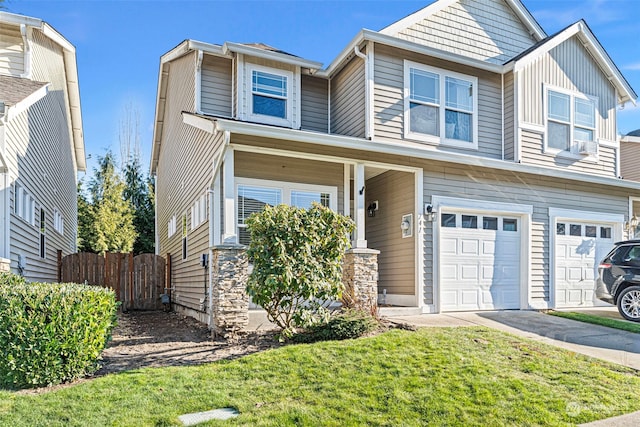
{"x": 542, "y": 192}
{"x": 487, "y": 30}
{"x": 315, "y": 104}
{"x": 389, "y": 103}
{"x": 568, "y": 66}
{"x": 630, "y": 161}
{"x": 216, "y": 86}
{"x": 41, "y": 160}
{"x": 533, "y": 153}
{"x": 11, "y": 50}
{"x": 348, "y": 99}
{"x": 509, "y": 117}
{"x": 287, "y": 169}
{"x": 396, "y": 263}
{"x": 184, "y": 174}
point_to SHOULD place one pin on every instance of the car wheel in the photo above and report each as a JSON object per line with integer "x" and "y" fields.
{"x": 629, "y": 303}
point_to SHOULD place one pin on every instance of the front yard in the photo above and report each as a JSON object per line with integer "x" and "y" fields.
{"x": 438, "y": 376}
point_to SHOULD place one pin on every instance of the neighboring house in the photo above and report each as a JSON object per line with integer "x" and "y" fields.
{"x": 630, "y": 169}
{"x": 41, "y": 146}
{"x": 485, "y": 150}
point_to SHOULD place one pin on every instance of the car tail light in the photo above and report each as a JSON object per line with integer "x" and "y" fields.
{"x": 604, "y": 265}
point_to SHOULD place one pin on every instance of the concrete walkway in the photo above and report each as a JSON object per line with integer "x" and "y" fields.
{"x": 609, "y": 344}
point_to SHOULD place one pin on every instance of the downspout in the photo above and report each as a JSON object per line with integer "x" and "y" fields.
{"x": 216, "y": 170}
{"x": 502, "y": 112}
{"x": 4, "y": 185}
{"x": 367, "y": 92}
{"x": 329, "y": 106}
{"x": 199, "y": 82}
{"x": 27, "y": 52}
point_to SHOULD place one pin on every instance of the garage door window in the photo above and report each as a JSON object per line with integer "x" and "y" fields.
{"x": 469, "y": 221}
{"x": 591, "y": 231}
{"x": 561, "y": 229}
{"x": 575, "y": 230}
{"x": 489, "y": 223}
{"x": 510, "y": 224}
{"x": 448, "y": 220}
{"x": 605, "y": 232}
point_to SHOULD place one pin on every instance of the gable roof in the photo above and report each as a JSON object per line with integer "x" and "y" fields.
{"x": 71, "y": 72}
{"x": 16, "y": 89}
{"x": 591, "y": 44}
{"x": 516, "y": 6}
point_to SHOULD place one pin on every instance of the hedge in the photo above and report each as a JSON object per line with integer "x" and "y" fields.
{"x": 51, "y": 332}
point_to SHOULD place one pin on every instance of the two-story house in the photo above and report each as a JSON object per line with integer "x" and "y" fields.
{"x": 41, "y": 147}
{"x": 477, "y": 153}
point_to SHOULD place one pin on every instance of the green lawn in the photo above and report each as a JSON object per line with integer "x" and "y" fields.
{"x": 598, "y": 320}
{"x": 437, "y": 376}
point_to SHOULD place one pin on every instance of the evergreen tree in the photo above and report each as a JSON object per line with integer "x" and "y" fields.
{"x": 113, "y": 215}
{"x": 139, "y": 192}
{"x": 86, "y": 232}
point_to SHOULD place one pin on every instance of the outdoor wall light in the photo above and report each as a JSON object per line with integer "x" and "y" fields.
{"x": 372, "y": 208}
{"x": 430, "y": 212}
{"x": 631, "y": 226}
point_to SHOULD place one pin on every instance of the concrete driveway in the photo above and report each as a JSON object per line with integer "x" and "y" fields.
{"x": 609, "y": 344}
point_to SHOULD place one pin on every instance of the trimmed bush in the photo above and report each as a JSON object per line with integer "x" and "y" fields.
{"x": 297, "y": 262}
{"x": 51, "y": 332}
{"x": 347, "y": 324}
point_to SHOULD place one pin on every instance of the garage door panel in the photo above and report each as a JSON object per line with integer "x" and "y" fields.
{"x": 488, "y": 267}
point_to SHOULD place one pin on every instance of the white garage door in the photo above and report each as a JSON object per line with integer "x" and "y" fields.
{"x": 580, "y": 246}
{"x": 479, "y": 261}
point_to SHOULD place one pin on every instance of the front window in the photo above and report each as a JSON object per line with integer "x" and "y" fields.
{"x": 253, "y": 195}
{"x": 571, "y": 123}
{"x": 270, "y": 95}
{"x": 440, "y": 106}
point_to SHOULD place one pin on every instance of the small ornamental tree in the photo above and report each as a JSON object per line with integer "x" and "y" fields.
{"x": 297, "y": 262}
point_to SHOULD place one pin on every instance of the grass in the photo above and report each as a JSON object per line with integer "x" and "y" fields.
{"x": 437, "y": 376}
{"x": 598, "y": 320}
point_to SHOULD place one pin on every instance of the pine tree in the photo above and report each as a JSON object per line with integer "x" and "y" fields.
{"x": 86, "y": 231}
{"x": 139, "y": 192}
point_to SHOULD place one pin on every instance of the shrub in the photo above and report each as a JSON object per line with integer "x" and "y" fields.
{"x": 297, "y": 262}
{"x": 344, "y": 325}
{"x": 51, "y": 333}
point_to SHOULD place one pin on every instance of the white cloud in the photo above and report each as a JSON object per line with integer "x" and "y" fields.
{"x": 632, "y": 67}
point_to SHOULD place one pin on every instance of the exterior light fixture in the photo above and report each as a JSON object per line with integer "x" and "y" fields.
{"x": 430, "y": 212}
{"x": 372, "y": 208}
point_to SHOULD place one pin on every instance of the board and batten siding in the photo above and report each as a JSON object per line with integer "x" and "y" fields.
{"x": 41, "y": 161}
{"x": 469, "y": 182}
{"x": 394, "y": 192}
{"x": 11, "y": 50}
{"x": 532, "y": 147}
{"x": 315, "y": 104}
{"x": 348, "y": 100}
{"x": 216, "y": 86}
{"x": 288, "y": 169}
{"x": 509, "y": 117}
{"x": 389, "y": 103}
{"x": 630, "y": 161}
{"x": 184, "y": 173}
{"x": 487, "y": 30}
{"x": 568, "y": 66}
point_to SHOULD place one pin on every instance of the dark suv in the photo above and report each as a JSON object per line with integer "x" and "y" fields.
{"x": 619, "y": 279}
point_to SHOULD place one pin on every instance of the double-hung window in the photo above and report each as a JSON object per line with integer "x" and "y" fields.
{"x": 571, "y": 123}
{"x": 253, "y": 195}
{"x": 440, "y": 106}
{"x": 270, "y": 98}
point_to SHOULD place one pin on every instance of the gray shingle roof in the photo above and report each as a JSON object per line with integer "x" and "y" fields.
{"x": 15, "y": 89}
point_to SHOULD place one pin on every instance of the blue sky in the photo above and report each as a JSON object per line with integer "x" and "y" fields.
{"x": 119, "y": 43}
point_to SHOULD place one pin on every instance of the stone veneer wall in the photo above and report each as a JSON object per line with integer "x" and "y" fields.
{"x": 230, "y": 299}
{"x": 360, "y": 278}
{"x": 5, "y": 265}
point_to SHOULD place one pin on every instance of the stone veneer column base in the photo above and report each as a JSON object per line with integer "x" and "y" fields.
{"x": 5, "y": 265}
{"x": 360, "y": 278}
{"x": 230, "y": 300}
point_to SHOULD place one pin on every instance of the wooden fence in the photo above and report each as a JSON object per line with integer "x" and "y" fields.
{"x": 137, "y": 281}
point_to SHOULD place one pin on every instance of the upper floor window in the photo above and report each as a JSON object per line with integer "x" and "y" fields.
{"x": 440, "y": 106}
{"x": 58, "y": 221}
{"x": 270, "y": 98}
{"x": 571, "y": 123}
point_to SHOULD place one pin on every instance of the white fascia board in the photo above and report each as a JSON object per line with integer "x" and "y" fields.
{"x": 546, "y": 47}
{"x": 75, "y": 109}
{"x": 400, "y": 149}
{"x": 13, "y": 110}
{"x": 416, "y": 17}
{"x": 344, "y": 54}
{"x": 213, "y": 49}
{"x": 50, "y": 32}
{"x": 198, "y": 122}
{"x": 628, "y": 138}
{"x": 176, "y": 52}
{"x": 526, "y": 17}
{"x": 268, "y": 54}
{"x": 12, "y": 18}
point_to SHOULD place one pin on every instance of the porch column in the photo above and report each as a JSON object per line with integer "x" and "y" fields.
{"x": 229, "y": 236}
{"x": 360, "y": 278}
{"x": 216, "y": 211}
{"x": 230, "y": 301}
{"x": 359, "y": 197}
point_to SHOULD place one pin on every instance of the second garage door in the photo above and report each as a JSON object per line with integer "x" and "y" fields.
{"x": 479, "y": 261}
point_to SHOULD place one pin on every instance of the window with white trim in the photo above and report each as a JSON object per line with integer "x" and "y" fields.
{"x": 58, "y": 221}
{"x": 171, "y": 226}
{"x": 253, "y": 195}
{"x": 24, "y": 204}
{"x": 199, "y": 212}
{"x": 571, "y": 123}
{"x": 270, "y": 99}
{"x": 440, "y": 106}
